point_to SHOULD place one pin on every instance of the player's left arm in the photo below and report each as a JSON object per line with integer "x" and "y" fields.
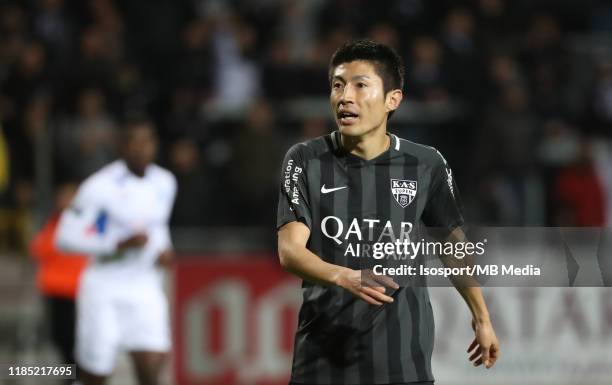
{"x": 484, "y": 349}
{"x": 443, "y": 215}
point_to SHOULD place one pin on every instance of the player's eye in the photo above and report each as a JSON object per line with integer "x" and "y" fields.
{"x": 361, "y": 85}
{"x": 337, "y": 85}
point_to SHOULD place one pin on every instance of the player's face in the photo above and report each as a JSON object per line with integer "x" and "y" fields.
{"x": 140, "y": 147}
{"x": 358, "y": 100}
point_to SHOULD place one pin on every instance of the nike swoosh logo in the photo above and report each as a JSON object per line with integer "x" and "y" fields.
{"x": 328, "y": 190}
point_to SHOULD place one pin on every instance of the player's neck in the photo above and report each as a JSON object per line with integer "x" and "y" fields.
{"x": 138, "y": 171}
{"x": 368, "y": 146}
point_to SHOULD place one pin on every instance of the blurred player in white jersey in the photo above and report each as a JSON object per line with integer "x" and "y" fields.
{"x": 119, "y": 218}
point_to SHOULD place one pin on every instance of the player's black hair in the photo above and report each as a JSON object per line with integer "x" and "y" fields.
{"x": 387, "y": 63}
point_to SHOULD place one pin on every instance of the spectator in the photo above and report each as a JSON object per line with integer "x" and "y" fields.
{"x": 194, "y": 200}
{"x": 497, "y": 22}
{"x": 602, "y": 98}
{"x": 506, "y": 160}
{"x": 236, "y": 73}
{"x": 90, "y": 136}
{"x": 579, "y": 193}
{"x": 183, "y": 118}
{"x": 26, "y": 78}
{"x": 385, "y": 33}
{"x": 545, "y": 58}
{"x": 195, "y": 64}
{"x": 53, "y": 25}
{"x": 462, "y": 55}
{"x": 96, "y": 65}
{"x": 426, "y": 77}
{"x": 503, "y": 70}
{"x": 254, "y": 167}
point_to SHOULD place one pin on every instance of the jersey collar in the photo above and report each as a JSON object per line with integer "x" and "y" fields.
{"x": 126, "y": 173}
{"x": 335, "y": 139}
{"x": 337, "y": 142}
{"x": 395, "y": 142}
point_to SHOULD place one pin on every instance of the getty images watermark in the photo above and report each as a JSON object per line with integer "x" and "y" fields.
{"x": 404, "y": 248}
{"x": 496, "y": 256}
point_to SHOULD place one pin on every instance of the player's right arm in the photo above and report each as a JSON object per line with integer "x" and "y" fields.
{"x": 294, "y": 223}
{"x": 297, "y": 259}
{"x": 80, "y": 229}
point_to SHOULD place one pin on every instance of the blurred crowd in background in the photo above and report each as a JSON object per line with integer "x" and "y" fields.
{"x": 516, "y": 94}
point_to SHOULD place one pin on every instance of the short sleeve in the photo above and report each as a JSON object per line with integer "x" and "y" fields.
{"x": 169, "y": 193}
{"x": 88, "y": 196}
{"x": 83, "y": 225}
{"x": 443, "y": 209}
{"x": 293, "y": 197}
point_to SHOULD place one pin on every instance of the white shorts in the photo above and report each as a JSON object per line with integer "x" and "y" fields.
{"x": 112, "y": 318}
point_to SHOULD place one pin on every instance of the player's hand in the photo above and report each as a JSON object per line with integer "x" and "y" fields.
{"x": 485, "y": 347}
{"x": 135, "y": 241}
{"x": 367, "y": 286}
{"x": 165, "y": 259}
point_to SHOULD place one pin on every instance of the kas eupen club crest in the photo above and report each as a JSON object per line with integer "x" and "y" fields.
{"x": 403, "y": 191}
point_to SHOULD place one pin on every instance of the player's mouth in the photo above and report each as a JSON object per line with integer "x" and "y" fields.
{"x": 347, "y": 117}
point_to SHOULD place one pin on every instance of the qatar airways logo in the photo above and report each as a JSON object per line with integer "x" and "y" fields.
{"x": 373, "y": 238}
{"x": 369, "y": 237}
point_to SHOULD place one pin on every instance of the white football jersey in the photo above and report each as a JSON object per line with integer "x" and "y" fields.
{"x": 112, "y": 205}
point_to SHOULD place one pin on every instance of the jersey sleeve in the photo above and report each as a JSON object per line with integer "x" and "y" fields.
{"x": 82, "y": 226}
{"x": 444, "y": 210}
{"x": 172, "y": 189}
{"x": 293, "y": 197}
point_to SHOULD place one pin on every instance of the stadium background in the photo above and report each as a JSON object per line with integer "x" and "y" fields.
{"x": 516, "y": 94}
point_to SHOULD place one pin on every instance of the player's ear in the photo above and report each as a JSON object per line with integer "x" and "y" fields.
{"x": 393, "y": 99}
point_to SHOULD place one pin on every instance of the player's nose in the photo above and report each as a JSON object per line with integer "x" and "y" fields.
{"x": 348, "y": 94}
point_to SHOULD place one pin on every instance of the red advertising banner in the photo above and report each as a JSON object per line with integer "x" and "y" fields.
{"x": 234, "y": 318}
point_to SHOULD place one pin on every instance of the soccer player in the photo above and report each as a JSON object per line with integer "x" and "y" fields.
{"x": 119, "y": 218}
{"x": 359, "y": 184}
